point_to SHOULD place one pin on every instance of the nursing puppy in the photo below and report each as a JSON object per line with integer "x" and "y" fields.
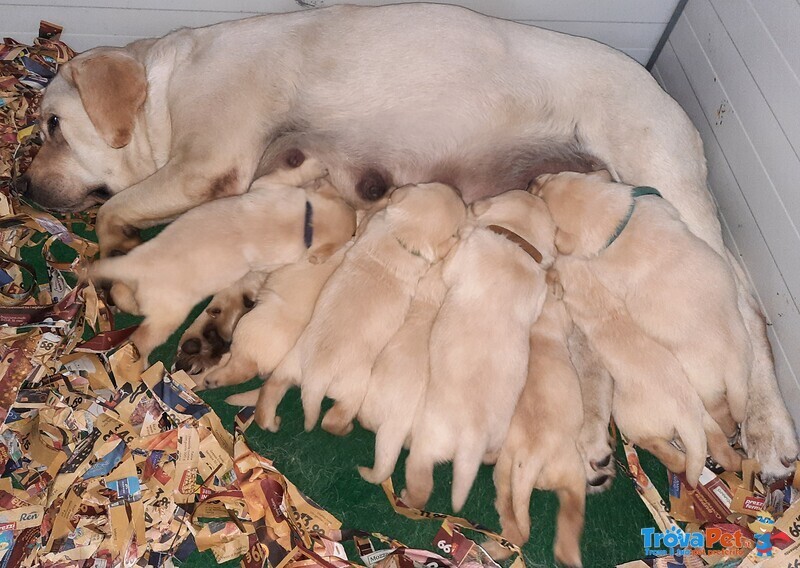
{"x": 209, "y": 336}
{"x": 476, "y": 376}
{"x": 675, "y": 287}
{"x": 653, "y": 401}
{"x": 540, "y": 450}
{"x": 267, "y": 333}
{"x": 399, "y": 378}
{"x": 275, "y": 224}
{"x": 363, "y": 304}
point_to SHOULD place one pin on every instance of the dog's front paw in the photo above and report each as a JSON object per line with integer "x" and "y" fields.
{"x": 115, "y": 237}
{"x": 771, "y": 440}
{"x": 200, "y": 350}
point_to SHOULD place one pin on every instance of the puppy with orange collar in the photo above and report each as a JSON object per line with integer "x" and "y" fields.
{"x": 495, "y": 278}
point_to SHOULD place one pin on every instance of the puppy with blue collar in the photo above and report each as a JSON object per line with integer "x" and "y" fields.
{"x": 660, "y": 308}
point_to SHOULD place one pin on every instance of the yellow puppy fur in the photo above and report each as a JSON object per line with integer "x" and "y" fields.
{"x": 676, "y": 294}
{"x": 540, "y": 450}
{"x": 364, "y": 303}
{"x": 400, "y": 377}
{"x": 260, "y": 230}
{"x": 479, "y": 344}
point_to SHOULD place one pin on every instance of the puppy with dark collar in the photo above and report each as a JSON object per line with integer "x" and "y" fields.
{"x": 216, "y": 244}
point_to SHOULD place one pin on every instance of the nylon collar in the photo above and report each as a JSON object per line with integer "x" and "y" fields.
{"x": 639, "y": 191}
{"x": 308, "y": 225}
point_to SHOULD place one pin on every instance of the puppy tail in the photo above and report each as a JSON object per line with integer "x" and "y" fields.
{"x": 695, "y": 446}
{"x": 248, "y": 398}
{"x": 466, "y": 464}
{"x": 524, "y": 472}
{"x": 388, "y": 444}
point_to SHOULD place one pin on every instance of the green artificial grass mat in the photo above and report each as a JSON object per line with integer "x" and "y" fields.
{"x": 324, "y": 468}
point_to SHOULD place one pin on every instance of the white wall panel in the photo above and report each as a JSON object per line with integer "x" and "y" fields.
{"x": 632, "y": 26}
{"x": 732, "y": 65}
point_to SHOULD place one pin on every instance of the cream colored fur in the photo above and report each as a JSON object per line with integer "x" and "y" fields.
{"x": 363, "y": 304}
{"x": 540, "y": 450}
{"x": 214, "y": 245}
{"x": 479, "y": 345}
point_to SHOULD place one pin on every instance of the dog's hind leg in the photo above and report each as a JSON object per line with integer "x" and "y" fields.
{"x": 157, "y": 327}
{"x": 505, "y": 510}
{"x": 388, "y": 445}
{"x": 569, "y": 523}
{"x": 419, "y": 478}
{"x": 270, "y": 396}
{"x": 466, "y": 463}
{"x": 311, "y": 394}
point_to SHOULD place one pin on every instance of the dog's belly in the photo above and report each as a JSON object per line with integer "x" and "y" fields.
{"x": 366, "y": 174}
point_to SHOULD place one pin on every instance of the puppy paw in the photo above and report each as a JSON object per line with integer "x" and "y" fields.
{"x": 773, "y": 443}
{"x": 598, "y": 457}
{"x": 115, "y": 237}
{"x": 201, "y": 351}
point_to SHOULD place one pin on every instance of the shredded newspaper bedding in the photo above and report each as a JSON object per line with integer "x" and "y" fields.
{"x": 108, "y": 464}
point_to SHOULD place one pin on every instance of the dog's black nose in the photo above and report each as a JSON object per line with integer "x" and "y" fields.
{"x": 22, "y": 184}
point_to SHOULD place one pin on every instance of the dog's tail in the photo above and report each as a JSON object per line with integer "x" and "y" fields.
{"x": 695, "y": 445}
{"x": 388, "y": 444}
{"x": 466, "y": 463}
{"x": 525, "y": 471}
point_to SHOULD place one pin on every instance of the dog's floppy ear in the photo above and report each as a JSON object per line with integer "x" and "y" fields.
{"x": 478, "y": 208}
{"x": 113, "y": 87}
{"x": 604, "y": 175}
{"x": 322, "y": 253}
{"x": 565, "y": 242}
{"x": 444, "y": 247}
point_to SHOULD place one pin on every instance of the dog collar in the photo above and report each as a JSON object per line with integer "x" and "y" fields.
{"x": 639, "y": 191}
{"x": 308, "y": 225}
{"x": 532, "y": 251}
{"x": 408, "y": 250}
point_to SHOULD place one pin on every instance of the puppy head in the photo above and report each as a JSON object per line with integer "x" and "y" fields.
{"x": 586, "y": 208}
{"x": 523, "y": 213}
{"x": 89, "y": 117}
{"x": 426, "y": 218}
{"x": 334, "y": 222}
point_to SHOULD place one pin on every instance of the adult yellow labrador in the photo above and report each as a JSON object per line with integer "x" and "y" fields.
{"x": 384, "y": 96}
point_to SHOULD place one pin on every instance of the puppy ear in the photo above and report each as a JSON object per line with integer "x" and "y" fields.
{"x": 536, "y": 187}
{"x": 479, "y": 208}
{"x": 553, "y": 281}
{"x": 325, "y": 188}
{"x": 113, "y": 87}
{"x": 321, "y": 254}
{"x": 399, "y": 194}
{"x": 604, "y": 175}
{"x": 444, "y": 247}
{"x": 565, "y": 242}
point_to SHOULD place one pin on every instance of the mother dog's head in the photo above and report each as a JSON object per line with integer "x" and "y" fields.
{"x": 90, "y": 117}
